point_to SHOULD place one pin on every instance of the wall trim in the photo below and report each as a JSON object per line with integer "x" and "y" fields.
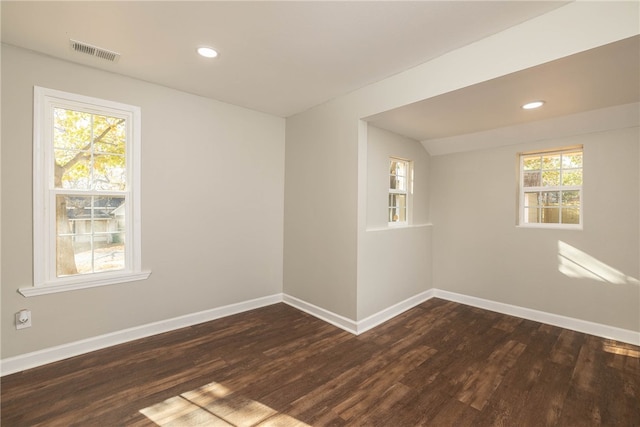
{"x": 584, "y": 326}
{"x": 337, "y": 320}
{"x": 388, "y": 313}
{"x": 53, "y": 354}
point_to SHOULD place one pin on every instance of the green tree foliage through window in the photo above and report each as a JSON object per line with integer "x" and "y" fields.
{"x": 398, "y": 190}
{"x": 551, "y": 187}
{"x": 90, "y": 158}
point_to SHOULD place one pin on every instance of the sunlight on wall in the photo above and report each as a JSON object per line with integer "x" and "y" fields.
{"x": 215, "y": 405}
{"x": 573, "y": 262}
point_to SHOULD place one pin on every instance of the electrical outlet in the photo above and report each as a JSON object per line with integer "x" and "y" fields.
{"x": 23, "y": 319}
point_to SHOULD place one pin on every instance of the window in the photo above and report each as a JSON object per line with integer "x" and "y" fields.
{"x": 551, "y": 188}
{"x": 399, "y": 190}
{"x": 86, "y": 192}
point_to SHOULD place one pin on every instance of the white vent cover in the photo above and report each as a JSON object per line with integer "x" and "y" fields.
{"x": 88, "y": 49}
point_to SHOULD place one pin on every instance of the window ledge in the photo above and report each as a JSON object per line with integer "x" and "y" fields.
{"x": 398, "y": 227}
{"x": 83, "y": 283}
{"x": 551, "y": 226}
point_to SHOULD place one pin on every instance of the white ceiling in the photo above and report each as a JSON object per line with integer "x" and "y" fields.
{"x": 277, "y": 57}
{"x": 595, "y": 79}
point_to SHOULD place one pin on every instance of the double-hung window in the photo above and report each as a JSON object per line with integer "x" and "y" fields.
{"x": 86, "y": 192}
{"x": 399, "y": 190}
{"x": 551, "y": 188}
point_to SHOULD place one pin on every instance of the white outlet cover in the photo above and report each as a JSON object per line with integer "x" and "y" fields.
{"x": 25, "y": 324}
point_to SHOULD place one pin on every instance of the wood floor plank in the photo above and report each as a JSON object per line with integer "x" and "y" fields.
{"x": 440, "y": 363}
{"x": 485, "y": 380}
{"x": 598, "y": 390}
{"x": 455, "y": 413}
{"x": 567, "y": 347}
{"x": 370, "y": 392}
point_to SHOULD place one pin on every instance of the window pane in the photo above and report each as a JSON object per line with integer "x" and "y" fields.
{"x": 109, "y": 238}
{"x": 90, "y": 234}
{"x": 550, "y": 198}
{"x": 90, "y": 151}
{"x": 73, "y": 214}
{"x": 555, "y": 171}
{"x": 572, "y": 177}
{"x": 393, "y": 165}
{"x": 397, "y": 200}
{"x": 572, "y": 160}
{"x": 571, "y": 216}
{"x": 550, "y": 215}
{"x": 571, "y": 197}
{"x": 71, "y": 129}
{"x": 551, "y": 178}
{"x": 398, "y": 167}
{"x": 532, "y": 179}
{"x": 531, "y": 215}
{"x": 397, "y": 208}
{"x": 110, "y": 172}
{"x": 551, "y": 161}
{"x": 531, "y": 199}
{"x": 65, "y": 256}
{"x": 398, "y": 183}
{"x": 73, "y": 227}
{"x": 64, "y": 157}
{"x": 72, "y": 169}
{"x": 109, "y": 135}
{"x": 531, "y": 163}
{"x": 108, "y": 252}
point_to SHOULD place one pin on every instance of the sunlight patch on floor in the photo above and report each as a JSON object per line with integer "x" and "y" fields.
{"x": 216, "y": 405}
{"x": 621, "y": 350}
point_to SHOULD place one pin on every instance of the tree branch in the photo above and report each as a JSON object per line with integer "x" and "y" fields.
{"x": 60, "y": 170}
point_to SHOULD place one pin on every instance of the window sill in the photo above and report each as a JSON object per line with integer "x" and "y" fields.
{"x": 398, "y": 227}
{"x": 551, "y": 226}
{"x": 77, "y": 283}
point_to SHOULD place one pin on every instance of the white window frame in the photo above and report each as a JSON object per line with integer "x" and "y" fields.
{"x": 560, "y": 188}
{"x": 44, "y": 194}
{"x": 407, "y": 193}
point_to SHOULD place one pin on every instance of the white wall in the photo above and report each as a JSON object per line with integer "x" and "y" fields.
{"x": 320, "y": 204}
{"x": 326, "y": 205}
{"x": 394, "y": 263}
{"x": 212, "y": 206}
{"x": 478, "y": 250}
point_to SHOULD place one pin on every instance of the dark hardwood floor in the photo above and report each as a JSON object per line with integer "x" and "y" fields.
{"x": 438, "y": 364}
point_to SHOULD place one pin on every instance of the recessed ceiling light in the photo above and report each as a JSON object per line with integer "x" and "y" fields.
{"x": 207, "y": 52}
{"x": 532, "y": 105}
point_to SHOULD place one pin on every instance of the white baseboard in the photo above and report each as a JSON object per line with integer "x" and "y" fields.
{"x": 53, "y": 354}
{"x": 349, "y": 325}
{"x": 322, "y": 314}
{"x": 584, "y": 326}
{"x": 64, "y": 351}
{"x": 391, "y": 312}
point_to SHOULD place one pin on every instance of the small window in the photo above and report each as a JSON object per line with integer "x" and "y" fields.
{"x": 399, "y": 190}
{"x": 86, "y": 192}
{"x": 551, "y": 188}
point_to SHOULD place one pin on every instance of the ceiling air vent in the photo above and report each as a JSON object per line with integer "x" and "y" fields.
{"x": 88, "y": 49}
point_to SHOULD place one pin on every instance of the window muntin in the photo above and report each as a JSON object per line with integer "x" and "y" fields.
{"x": 86, "y": 192}
{"x": 551, "y": 188}
{"x": 89, "y": 154}
{"x": 90, "y": 234}
{"x": 399, "y": 183}
{"x": 89, "y": 150}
